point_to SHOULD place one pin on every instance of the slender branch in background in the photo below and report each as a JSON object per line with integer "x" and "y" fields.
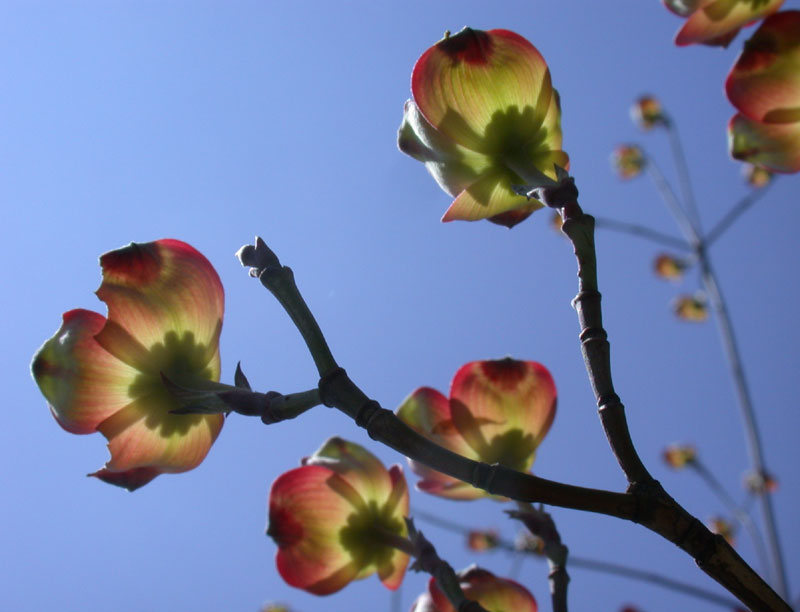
{"x": 752, "y": 435}
{"x": 541, "y": 524}
{"x": 396, "y": 599}
{"x": 596, "y": 565}
{"x": 739, "y": 513}
{"x": 745, "y": 203}
{"x": 646, "y": 503}
{"x": 641, "y": 232}
{"x": 684, "y": 180}
{"x": 730, "y": 346}
{"x": 671, "y": 200}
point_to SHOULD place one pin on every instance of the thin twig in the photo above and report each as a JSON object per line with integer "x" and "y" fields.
{"x": 734, "y": 213}
{"x": 641, "y": 232}
{"x": 542, "y": 525}
{"x": 739, "y": 513}
{"x": 752, "y": 434}
{"x": 731, "y": 349}
{"x": 683, "y": 175}
{"x": 671, "y": 200}
{"x": 427, "y": 560}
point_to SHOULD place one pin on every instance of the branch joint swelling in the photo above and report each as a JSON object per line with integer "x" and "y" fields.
{"x": 327, "y": 383}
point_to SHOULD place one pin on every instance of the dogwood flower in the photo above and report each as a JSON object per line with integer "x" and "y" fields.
{"x": 493, "y": 593}
{"x": 669, "y": 267}
{"x": 764, "y": 85}
{"x": 498, "y": 411}
{"x": 629, "y": 161}
{"x": 717, "y": 22}
{"x": 484, "y": 118}
{"x": 648, "y": 113}
{"x": 333, "y": 519}
{"x": 678, "y": 456}
{"x": 165, "y": 306}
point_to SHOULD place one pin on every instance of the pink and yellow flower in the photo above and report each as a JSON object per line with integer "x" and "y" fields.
{"x": 493, "y": 593}
{"x": 722, "y": 526}
{"x": 333, "y": 518}
{"x": 165, "y": 305}
{"x": 480, "y": 540}
{"x": 669, "y": 267}
{"x": 629, "y": 161}
{"x": 717, "y": 22}
{"x": 647, "y": 113}
{"x": 692, "y": 308}
{"x": 764, "y": 85}
{"x": 678, "y": 456}
{"x": 497, "y": 412}
{"x": 484, "y": 118}
{"x": 760, "y": 482}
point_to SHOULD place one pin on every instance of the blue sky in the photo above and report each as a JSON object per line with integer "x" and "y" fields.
{"x": 214, "y": 122}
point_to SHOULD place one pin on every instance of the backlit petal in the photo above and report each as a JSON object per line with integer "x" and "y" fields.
{"x": 503, "y": 409}
{"x": 130, "y": 479}
{"x": 764, "y": 84}
{"x": 493, "y": 593}
{"x": 83, "y": 383}
{"x": 163, "y": 287}
{"x": 775, "y": 146}
{"x": 468, "y": 81}
{"x": 144, "y": 434}
{"x": 392, "y": 571}
{"x": 428, "y": 412}
{"x": 713, "y": 20}
{"x": 305, "y": 516}
{"x": 356, "y": 465}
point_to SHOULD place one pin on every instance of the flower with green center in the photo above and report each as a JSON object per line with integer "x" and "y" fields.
{"x": 334, "y": 519}
{"x": 692, "y": 308}
{"x": 480, "y": 540}
{"x": 165, "y": 305}
{"x": 764, "y": 85}
{"x": 722, "y": 526}
{"x": 498, "y": 412}
{"x": 717, "y": 22}
{"x": 493, "y": 593}
{"x": 759, "y": 482}
{"x": 484, "y": 118}
{"x": 629, "y": 161}
{"x": 647, "y": 113}
{"x": 669, "y": 267}
{"x": 678, "y": 456}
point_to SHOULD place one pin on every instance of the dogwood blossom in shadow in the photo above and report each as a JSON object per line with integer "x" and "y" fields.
{"x": 165, "y": 306}
{"x": 484, "y": 118}
{"x": 493, "y": 593}
{"x": 331, "y": 517}
{"x": 498, "y": 412}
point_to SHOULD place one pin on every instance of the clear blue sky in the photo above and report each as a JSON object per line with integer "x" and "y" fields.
{"x": 215, "y": 121}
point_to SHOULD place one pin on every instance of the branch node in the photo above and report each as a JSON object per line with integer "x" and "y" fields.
{"x": 366, "y": 413}
{"x": 327, "y": 383}
{"x": 483, "y": 474}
